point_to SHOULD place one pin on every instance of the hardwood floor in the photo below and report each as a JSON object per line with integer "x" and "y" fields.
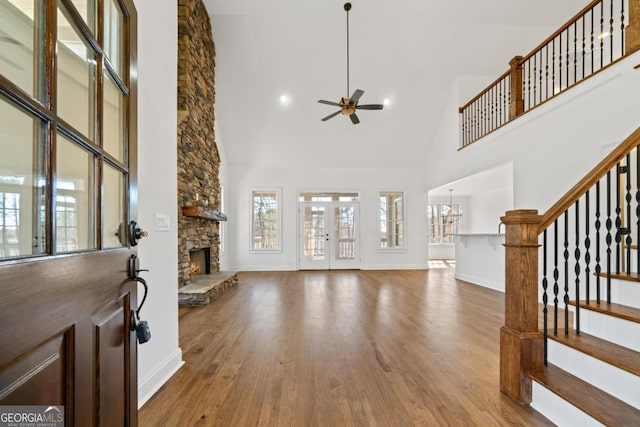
{"x": 341, "y": 348}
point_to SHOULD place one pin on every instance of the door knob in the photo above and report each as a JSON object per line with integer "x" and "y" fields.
{"x": 135, "y": 233}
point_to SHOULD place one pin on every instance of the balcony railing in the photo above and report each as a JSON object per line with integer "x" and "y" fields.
{"x": 601, "y": 34}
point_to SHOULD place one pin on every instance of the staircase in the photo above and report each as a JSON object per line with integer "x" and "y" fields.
{"x": 579, "y": 362}
{"x": 589, "y": 379}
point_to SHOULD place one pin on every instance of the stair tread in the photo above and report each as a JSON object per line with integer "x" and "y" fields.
{"x": 606, "y": 351}
{"x": 596, "y": 403}
{"x": 629, "y": 277}
{"x": 611, "y": 309}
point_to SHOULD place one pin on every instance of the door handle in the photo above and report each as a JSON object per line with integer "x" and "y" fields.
{"x": 143, "y": 332}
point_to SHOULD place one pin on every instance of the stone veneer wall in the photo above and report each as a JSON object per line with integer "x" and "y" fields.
{"x": 198, "y": 158}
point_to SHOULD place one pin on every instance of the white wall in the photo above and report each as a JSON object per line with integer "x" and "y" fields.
{"x": 368, "y": 182}
{"x": 157, "y": 185}
{"x": 480, "y": 260}
{"x": 486, "y": 208}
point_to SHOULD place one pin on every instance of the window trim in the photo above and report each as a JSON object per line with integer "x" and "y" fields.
{"x": 278, "y": 193}
{"x": 403, "y": 247}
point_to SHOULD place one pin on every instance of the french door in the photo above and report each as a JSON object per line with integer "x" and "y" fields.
{"x": 329, "y": 235}
{"x": 67, "y": 208}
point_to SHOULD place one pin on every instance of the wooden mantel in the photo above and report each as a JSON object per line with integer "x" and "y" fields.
{"x": 204, "y": 213}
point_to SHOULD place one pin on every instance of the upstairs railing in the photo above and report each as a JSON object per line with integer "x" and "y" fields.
{"x": 601, "y": 34}
{"x": 588, "y": 237}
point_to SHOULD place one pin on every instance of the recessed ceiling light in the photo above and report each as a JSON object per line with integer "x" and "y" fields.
{"x": 386, "y": 101}
{"x": 284, "y": 99}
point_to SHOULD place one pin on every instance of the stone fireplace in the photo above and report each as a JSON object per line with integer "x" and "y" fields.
{"x": 199, "y": 213}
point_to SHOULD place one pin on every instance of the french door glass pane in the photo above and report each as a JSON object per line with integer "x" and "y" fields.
{"x": 345, "y": 224}
{"x": 22, "y": 188}
{"x": 113, "y": 34}
{"x": 87, "y": 9}
{"x": 112, "y": 206}
{"x": 75, "y": 199}
{"x": 113, "y": 121}
{"x": 314, "y": 233}
{"x": 76, "y": 78}
{"x": 21, "y": 44}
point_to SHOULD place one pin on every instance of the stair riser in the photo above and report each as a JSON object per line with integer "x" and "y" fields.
{"x": 608, "y": 378}
{"x": 626, "y": 293}
{"x": 613, "y": 329}
{"x": 558, "y": 410}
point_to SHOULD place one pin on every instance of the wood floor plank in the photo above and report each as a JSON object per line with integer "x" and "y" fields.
{"x": 341, "y": 348}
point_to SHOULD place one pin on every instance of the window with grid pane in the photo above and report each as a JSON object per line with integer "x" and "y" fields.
{"x": 443, "y": 220}
{"x": 265, "y": 233}
{"x": 391, "y": 220}
{"x": 9, "y": 224}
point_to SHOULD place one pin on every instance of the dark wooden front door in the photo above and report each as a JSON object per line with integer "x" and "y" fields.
{"x": 67, "y": 194}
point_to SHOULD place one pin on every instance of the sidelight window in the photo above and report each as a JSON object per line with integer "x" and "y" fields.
{"x": 392, "y": 220}
{"x": 266, "y": 218}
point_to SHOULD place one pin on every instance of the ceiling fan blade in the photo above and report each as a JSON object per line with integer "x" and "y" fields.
{"x": 354, "y": 119}
{"x": 322, "y": 101}
{"x": 370, "y": 107}
{"x": 356, "y": 96}
{"x": 331, "y": 116}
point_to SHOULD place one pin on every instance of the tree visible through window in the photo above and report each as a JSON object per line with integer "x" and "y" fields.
{"x": 391, "y": 220}
{"x": 443, "y": 219}
{"x": 266, "y": 221}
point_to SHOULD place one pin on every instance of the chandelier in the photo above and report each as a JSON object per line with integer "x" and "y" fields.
{"x": 452, "y": 216}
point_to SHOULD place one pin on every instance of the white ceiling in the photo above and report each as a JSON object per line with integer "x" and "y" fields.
{"x": 411, "y": 51}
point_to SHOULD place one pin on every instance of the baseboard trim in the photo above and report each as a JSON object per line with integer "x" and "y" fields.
{"x": 150, "y": 384}
{"x": 262, "y": 268}
{"x": 396, "y": 267}
{"x": 480, "y": 282}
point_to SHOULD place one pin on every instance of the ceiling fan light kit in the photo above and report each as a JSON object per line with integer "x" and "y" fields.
{"x": 349, "y": 105}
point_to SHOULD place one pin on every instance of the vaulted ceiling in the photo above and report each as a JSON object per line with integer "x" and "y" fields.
{"x": 413, "y": 52}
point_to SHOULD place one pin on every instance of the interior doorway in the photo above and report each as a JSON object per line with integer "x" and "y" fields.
{"x": 329, "y": 236}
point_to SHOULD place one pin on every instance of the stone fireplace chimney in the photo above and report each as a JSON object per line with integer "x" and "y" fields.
{"x": 198, "y": 158}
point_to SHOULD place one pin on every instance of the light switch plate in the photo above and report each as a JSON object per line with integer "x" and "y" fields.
{"x": 163, "y": 222}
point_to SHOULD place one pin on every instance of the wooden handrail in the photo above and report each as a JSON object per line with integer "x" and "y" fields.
{"x": 599, "y": 171}
{"x": 485, "y": 90}
{"x": 568, "y": 24}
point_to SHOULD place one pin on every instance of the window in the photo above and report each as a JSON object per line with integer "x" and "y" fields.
{"x": 443, "y": 219}
{"x": 67, "y": 141}
{"x": 265, "y": 230}
{"x": 9, "y": 224}
{"x": 328, "y": 197}
{"x": 66, "y": 224}
{"x": 391, "y": 220}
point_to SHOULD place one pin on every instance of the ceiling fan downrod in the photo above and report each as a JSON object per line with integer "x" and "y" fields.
{"x": 347, "y": 8}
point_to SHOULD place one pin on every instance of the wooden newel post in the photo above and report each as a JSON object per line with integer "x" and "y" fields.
{"x": 632, "y": 32}
{"x": 521, "y": 345}
{"x": 516, "y": 106}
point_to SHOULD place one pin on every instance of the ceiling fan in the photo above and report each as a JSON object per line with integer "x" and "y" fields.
{"x": 349, "y": 105}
